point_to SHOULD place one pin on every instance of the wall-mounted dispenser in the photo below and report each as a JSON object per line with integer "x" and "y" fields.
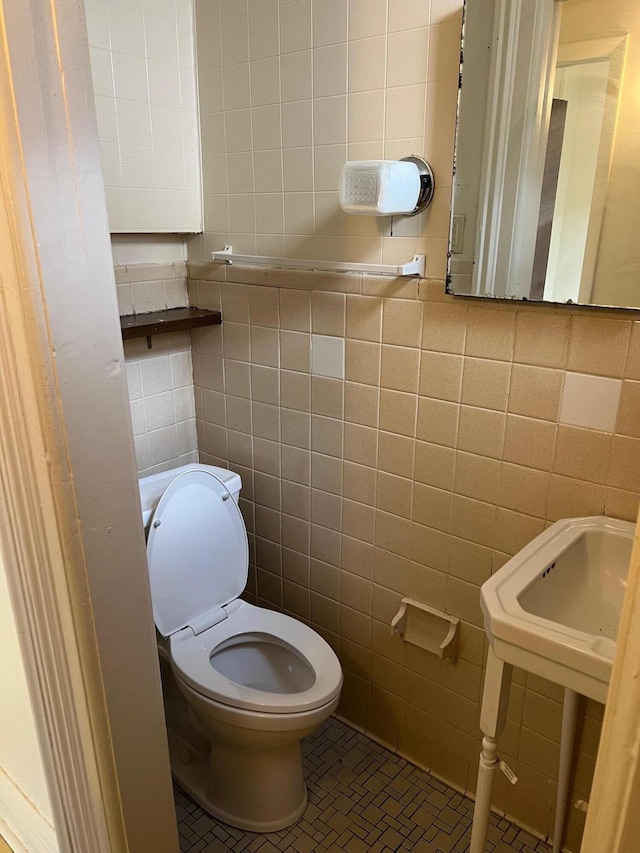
{"x": 386, "y": 187}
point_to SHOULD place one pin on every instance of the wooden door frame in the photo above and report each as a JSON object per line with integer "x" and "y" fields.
{"x": 42, "y": 551}
{"x": 613, "y": 818}
{"x": 70, "y": 524}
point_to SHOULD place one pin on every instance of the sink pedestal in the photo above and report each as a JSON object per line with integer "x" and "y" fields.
{"x": 567, "y": 739}
{"x": 493, "y": 719}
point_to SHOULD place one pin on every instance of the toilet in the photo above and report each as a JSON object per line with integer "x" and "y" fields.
{"x": 242, "y": 684}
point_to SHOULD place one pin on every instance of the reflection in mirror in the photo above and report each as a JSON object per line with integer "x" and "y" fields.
{"x": 547, "y": 185}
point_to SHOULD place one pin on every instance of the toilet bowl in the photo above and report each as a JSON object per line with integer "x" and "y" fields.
{"x": 242, "y": 685}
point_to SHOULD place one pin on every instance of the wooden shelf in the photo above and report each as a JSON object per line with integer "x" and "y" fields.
{"x": 163, "y": 322}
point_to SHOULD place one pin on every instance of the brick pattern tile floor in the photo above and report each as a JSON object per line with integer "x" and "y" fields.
{"x": 362, "y": 799}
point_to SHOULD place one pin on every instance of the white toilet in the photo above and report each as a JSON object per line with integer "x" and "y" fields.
{"x": 242, "y": 685}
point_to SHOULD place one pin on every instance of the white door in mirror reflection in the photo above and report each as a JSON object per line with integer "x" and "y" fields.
{"x": 583, "y": 179}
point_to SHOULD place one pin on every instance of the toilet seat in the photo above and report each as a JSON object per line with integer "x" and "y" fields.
{"x": 197, "y": 553}
{"x": 198, "y": 564}
{"x": 191, "y": 659}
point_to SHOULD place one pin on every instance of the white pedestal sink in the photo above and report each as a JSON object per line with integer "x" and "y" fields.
{"x": 553, "y": 610}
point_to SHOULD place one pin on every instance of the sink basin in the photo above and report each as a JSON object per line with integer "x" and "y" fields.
{"x": 554, "y": 608}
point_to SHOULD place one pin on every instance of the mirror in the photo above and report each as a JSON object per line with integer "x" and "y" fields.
{"x": 547, "y": 179}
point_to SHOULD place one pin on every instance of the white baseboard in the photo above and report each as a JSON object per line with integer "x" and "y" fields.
{"x": 24, "y": 828}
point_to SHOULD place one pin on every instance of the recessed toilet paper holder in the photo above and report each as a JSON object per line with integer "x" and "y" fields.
{"x": 428, "y": 628}
{"x": 427, "y": 183}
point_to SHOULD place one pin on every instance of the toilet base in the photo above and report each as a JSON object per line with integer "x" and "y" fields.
{"x": 191, "y": 770}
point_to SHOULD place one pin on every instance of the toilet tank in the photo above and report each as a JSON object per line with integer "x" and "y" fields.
{"x": 152, "y": 488}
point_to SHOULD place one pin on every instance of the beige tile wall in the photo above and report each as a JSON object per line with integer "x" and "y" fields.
{"x": 161, "y": 378}
{"x": 291, "y": 90}
{"x": 440, "y": 454}
{"x": 436, "y": 459}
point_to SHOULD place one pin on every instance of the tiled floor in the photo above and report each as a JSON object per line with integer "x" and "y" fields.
{"x": 362, "y": 799}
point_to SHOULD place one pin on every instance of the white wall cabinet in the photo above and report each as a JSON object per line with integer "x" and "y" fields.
{"x": 143, "y": 66}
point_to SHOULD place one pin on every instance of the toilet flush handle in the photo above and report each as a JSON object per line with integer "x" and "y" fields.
{"x": 226, "y": 496}
{"x": 157, "y": 522}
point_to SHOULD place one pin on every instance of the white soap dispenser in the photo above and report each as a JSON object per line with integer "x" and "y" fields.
{"x": 386, "y": 187}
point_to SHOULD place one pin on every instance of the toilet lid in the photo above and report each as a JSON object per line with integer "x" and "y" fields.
{"x": 197, "y": 552}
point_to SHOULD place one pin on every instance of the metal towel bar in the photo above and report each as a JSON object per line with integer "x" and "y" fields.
{"x": 415, "y": 267}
